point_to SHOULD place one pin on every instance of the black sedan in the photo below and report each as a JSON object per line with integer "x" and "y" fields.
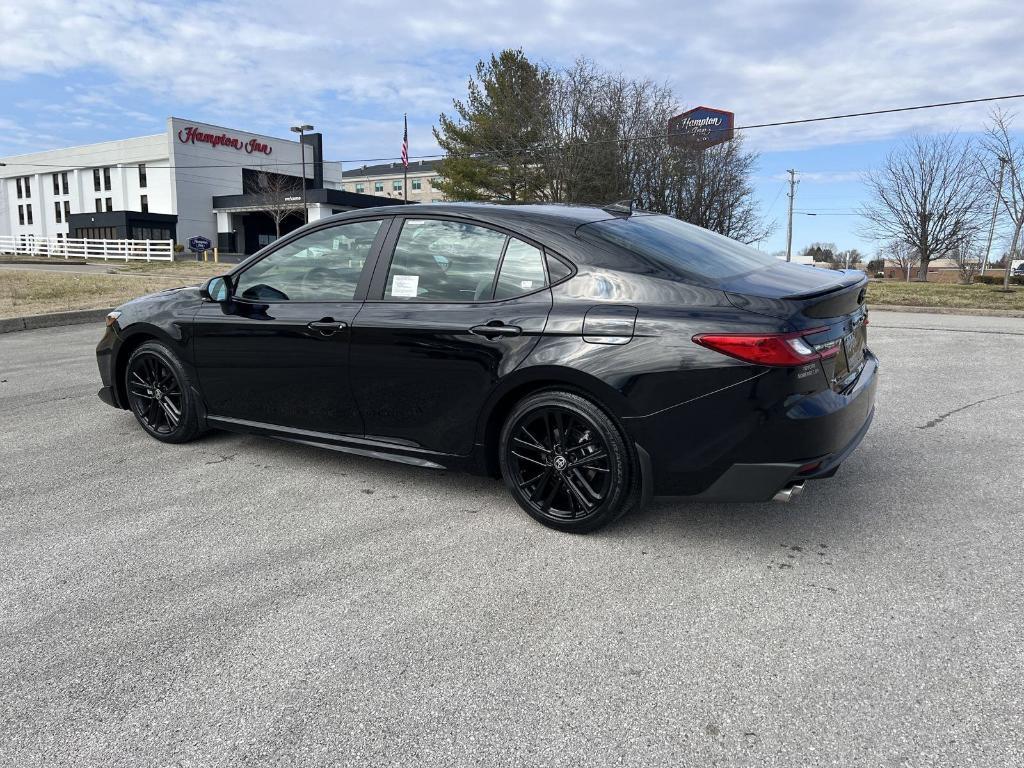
{"x": 590, "y": 357}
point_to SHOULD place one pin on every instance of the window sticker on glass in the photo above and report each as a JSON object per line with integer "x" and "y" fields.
{"x": 405, "y": 286}
{"x": 526, "y": 284}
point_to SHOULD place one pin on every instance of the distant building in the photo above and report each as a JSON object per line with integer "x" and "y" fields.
{"x": 939, "y": 271}
{"x": 387, "y": 179}
{"x": 191, "y": 179}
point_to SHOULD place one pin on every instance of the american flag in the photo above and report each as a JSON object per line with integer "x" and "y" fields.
{"x": 405, "y": 142}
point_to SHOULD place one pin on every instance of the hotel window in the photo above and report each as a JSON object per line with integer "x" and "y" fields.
{"x": 99, "y": 205}
{"x": 56, "y": 185}
{"x": 28, "y": 214}
{"x": 28, "y": 189}
{"x": 21, "y": 215}
{"x": 18, "y": 182}
{"x": 142, "y": 175}
{"x": 144, "y": 203}
{"x": 396, "y": 186}
{"x": 106, "y": 179}
{"x": 417, "y": 184}
{"x": 360, "y": 188}
{"x": 110, "y": 204}
{"x": 67, "y": 211}
{"x": 64, "y": 181}
{"x": 378, "y": 186}
{"x": 57, "y": 211}
{"x": 96, "y": 179}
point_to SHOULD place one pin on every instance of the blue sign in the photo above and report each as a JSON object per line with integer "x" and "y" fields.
{"x": 702, "y": 126}
{"x": 198, "y": 244}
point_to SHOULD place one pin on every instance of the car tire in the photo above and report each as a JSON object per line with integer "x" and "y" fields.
{"x": 567, "y": 463}
{"x": 160, "y": 394}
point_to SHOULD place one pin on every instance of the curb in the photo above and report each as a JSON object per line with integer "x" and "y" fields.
{"x": 947, "y": 310}
{"x": 51, "y": 320}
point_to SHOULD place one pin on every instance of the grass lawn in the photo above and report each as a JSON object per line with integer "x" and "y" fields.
{"x": 34, "y": 292}
{"x": 943, "y": 295}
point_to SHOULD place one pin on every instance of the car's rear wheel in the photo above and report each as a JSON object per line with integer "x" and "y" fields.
{"x": 566, "y": 463}
{"x": 159, "y": 394}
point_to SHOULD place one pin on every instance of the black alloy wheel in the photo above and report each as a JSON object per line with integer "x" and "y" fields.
{"x": 157, "y": 392}
{"x": 565, "y": 462}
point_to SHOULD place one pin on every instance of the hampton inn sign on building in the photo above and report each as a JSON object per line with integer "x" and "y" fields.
{"x": 191, "y": 180}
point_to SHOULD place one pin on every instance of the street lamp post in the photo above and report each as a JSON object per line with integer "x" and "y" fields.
{"x": 301, "y": 130}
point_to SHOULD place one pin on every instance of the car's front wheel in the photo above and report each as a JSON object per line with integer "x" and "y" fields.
{"x": 160, "y": 395}
{"x": 566, "y": 463}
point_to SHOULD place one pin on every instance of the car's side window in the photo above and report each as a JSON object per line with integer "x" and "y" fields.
{"x": 437, "y": 260}
{"x": 324, "y": 265}
{"x": 522, "y": 270}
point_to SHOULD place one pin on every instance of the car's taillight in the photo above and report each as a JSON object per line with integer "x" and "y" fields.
{"x": 778, "y": 349}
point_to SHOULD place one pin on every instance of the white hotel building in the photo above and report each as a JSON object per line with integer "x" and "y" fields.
{"x": 193, "y": 179}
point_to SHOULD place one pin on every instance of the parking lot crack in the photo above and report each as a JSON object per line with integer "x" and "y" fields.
{"x": 939, "y": 419}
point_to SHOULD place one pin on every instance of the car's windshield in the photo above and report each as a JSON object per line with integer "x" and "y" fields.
{"x": 679, "y": 246}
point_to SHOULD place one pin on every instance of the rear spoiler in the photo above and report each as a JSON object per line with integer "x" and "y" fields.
{"x": 851, "y": 278}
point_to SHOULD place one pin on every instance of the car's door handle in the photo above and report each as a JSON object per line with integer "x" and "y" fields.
{"x": 327, "y": 326}
{"x": 495, "y": 329}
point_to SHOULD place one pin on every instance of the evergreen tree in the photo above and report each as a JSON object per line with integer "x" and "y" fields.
{"x": 492, "y": 144}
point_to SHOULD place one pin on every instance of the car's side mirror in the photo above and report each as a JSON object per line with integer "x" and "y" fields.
{"x": 216, "y": 289}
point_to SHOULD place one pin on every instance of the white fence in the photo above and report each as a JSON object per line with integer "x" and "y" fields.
{"x": 87, "y": 248}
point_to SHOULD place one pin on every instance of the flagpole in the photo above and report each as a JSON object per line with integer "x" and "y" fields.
{"x": 405, "y": 165}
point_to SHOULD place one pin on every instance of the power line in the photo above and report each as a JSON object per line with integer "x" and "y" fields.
{"x": 662, "y": 136}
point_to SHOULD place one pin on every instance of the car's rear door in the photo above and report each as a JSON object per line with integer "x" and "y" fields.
{"x": 452, "y": 308}
{"x": 277, "y": 353}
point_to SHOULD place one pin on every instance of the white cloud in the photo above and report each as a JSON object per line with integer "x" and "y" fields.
{"x": 258, "y": 65}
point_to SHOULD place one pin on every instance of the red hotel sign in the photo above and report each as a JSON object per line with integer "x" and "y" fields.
{"x": 192, "y": 135}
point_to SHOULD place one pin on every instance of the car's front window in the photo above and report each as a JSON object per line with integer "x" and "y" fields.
{"x": 324, "y": 265}
{"x": 679, "y": 246}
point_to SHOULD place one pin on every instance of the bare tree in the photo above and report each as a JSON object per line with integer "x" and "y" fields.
{"x": 968, "y": 261}
{"x": 928, "y": 195}
{"x": 898, "y": 252}
{"x": 710, "y": 187}
{"x": 278, "y": 195}
{"x": 1002, "y": 147}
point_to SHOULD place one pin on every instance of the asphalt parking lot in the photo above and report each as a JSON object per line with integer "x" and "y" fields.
{"x": 242, "y": 601}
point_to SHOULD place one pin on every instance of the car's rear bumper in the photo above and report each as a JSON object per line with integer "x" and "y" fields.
{"x": 760, "y": 482}
{"x": 745, "y": 444}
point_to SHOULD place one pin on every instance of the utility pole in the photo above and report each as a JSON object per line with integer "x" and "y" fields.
{"x": 789, "y": 228}
{"x": 995, "y": 211}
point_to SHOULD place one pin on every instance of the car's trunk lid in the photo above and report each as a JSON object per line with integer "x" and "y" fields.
{"x": 828, "y": 304}
{"x": 788, "y": 289}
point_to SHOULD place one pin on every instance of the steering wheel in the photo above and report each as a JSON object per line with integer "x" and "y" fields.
{"x": 316, "y": 277}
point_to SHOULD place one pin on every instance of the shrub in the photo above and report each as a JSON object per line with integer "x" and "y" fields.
{"x": 996, "y": 278}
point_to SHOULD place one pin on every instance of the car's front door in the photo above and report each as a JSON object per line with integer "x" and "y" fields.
{"x": 277, "y": 353}
{"x": 458, "y": 306}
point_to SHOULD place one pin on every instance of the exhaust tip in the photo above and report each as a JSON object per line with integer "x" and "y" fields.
{"x": 789, "y": 492}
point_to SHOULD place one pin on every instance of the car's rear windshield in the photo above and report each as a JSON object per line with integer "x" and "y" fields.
{"x": 679, "y": 246}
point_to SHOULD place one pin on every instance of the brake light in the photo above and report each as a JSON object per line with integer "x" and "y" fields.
{"x": 776, "y": 349}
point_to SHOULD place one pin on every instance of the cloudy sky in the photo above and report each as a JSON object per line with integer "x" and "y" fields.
{"x": 74, "y": 72}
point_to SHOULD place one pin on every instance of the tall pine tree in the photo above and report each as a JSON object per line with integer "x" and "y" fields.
{"x": 493, "y": 142}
